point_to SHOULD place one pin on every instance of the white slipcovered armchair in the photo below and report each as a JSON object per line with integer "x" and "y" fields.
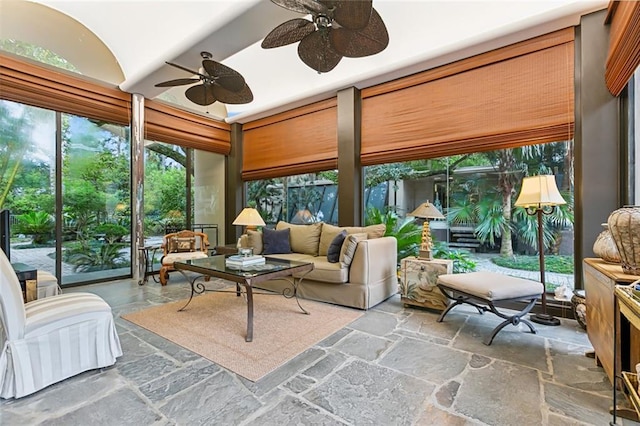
{"x": 51, "y": 339}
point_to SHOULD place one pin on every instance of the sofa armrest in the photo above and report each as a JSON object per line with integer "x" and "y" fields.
{"x": 374, "y": 260}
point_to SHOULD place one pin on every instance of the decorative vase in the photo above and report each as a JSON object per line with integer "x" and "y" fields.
{"x": 624, "y": 225}
{"x": 605, "y": 247}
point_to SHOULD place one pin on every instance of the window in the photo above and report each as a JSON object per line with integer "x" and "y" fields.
{"x": 473, "y": 191}
{"x": 300, "y": 199}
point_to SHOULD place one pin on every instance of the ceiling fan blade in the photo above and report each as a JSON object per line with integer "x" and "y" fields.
{"x": 372, "y": 39}
{"x": 183, "y": 68}
{"x": 302, "y": 6}
{"x": 223, "y": 75}
{"x": 315, "y": 50}
{"x": 178, "y": 82}
{"x": 242, "y": 96}
{"x": 200, "y": 94}
{"x": 350, "y": 14}
{"x": 288, "y": 32}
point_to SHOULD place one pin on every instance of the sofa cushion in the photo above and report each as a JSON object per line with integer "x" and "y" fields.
{"x": 329, "y": 232}
{"x": 325, "y": 272}
{"x": 349, "y": 248}
{"x": 274, "y": 242}
{"x": 168, "y": 259}
{"x": 254, "y": 240}
{"x": 333, "y": 253}
{"x": 372, "y": 231}
{"x": 304, "y": 238}
{"x": 327, "y": 235}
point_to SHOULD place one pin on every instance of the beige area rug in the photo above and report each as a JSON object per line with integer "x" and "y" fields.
{"x": 214, "y": 326}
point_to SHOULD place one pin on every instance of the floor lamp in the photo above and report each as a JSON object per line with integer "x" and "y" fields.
{"x": 426, "y": 211}
{"x": 539, "y": 195}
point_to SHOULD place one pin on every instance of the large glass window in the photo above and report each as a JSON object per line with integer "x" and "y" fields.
{"x": 27, "y": 182}
{"x": 299, "y": 199}
{"x": 476, "y": 194}
{"x": 92, "y": 214}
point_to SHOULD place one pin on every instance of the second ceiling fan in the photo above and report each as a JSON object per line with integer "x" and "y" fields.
{"x": 350, "y": 28}
{"x": 218, "y": 83}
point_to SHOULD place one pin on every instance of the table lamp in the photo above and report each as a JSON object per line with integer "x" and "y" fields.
{"x": 426, "y": 211}
{"x": 250, "y": 219}
{"x": 539, "y": 195}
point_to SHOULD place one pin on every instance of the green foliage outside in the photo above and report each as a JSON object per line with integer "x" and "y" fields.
{"x": 407, "y": 233}
{"x": 37, "y": 224}
{"x": 462, "y": 260}
{"x": 552, "y": 263}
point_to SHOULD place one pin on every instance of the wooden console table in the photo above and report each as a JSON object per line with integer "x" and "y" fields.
{"x": 600, "y": 280}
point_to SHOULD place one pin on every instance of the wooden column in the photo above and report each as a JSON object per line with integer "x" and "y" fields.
{"x": 350, "y": 180}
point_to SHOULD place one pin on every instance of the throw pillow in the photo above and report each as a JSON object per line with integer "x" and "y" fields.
{"x": 349, "y": 248}
{"x": 275, "y": 242}
{"x": 333, "y": 253}
{"x": 181, "y": 245}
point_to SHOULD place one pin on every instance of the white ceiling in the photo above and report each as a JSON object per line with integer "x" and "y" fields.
{"x": 143, "y": 34}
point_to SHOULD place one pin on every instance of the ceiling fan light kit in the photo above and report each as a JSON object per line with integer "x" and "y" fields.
{"x": 337, "y": 29}
{"x": 217, "y": 83}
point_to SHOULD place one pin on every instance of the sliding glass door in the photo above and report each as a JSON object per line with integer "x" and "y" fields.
{"x": 96, "y": 200}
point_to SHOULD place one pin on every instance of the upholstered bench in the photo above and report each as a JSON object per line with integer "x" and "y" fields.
{"x": 487, "y": 288}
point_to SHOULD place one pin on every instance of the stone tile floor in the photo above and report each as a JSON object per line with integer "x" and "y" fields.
{"x": 394, "y": 366}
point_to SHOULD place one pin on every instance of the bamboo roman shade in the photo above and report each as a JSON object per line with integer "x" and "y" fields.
{"x": 165, "y": 123}
{"x": 303, "y": 140}
{"x": 38, "y": 85}
{"x": 623, "y": 57}
{"x": 518, "y": 95}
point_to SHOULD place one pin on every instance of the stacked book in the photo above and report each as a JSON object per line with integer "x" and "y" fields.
{"x": 239, "y": 261}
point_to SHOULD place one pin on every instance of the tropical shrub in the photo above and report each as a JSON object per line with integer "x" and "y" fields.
{"x": 38, "y": 224}
{"x": 108, "y": 256}
{"x": 462, "y": 261}
{"x": 407, "y": 232}
{"x": 113, "y": 233}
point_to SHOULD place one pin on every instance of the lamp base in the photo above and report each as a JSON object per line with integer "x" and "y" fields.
{"x": 545, "y": 319}
{"x": 425, "y": 254}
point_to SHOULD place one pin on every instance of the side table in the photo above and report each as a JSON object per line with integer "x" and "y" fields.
{"x": 148, "y": 254}
{"x": 418, "y": 279}
{"x": 28, "y": 277}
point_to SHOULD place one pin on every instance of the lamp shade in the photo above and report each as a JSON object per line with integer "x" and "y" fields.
{"x": 249, "y": 217}
{"x": 427, "y": 211}
{"x": 539, "y": 191}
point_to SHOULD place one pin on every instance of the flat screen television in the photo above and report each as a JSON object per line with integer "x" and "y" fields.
{"x": 5, "y": 232}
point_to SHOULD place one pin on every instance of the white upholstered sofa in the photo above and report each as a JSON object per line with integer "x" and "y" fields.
{"x": 364, "y": 275}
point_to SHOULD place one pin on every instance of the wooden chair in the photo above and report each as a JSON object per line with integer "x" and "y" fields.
{"x": 179, "y": 246}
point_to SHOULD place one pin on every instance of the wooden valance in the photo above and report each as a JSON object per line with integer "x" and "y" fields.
{"x": 518, "y": 95}
{"x": 31, "y": 83}
{"x": 165, "y": 123}
{"x": 299, "y": 141}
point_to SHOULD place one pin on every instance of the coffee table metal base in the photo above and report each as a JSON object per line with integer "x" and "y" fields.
{"x": 199, "y": 288}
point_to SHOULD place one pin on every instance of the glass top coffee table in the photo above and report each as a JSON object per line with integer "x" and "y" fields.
{"x": 246, "y": 278}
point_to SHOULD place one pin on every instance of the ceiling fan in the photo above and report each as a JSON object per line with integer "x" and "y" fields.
{"x": 218, "y": 83}
{"x": 337, "y": 28}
